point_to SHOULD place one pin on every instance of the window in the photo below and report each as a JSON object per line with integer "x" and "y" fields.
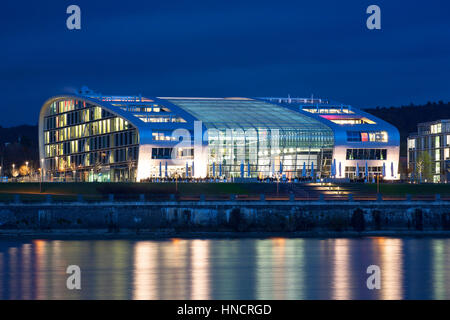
{"x": 411, "y": 143}
{"x": 376, "y": 136}
{"x": 366, "y": 154}
{"x": 163, "y": 136}
{"x": 353, "y": 136}
{"x": 161, "y": 153}
{"x": 380, "y": 136}
{"x": 437, "y": 142}
{"x": 328, "y": 110}
{"x": 350, "y": 120}
{"x": 436, "y": 128}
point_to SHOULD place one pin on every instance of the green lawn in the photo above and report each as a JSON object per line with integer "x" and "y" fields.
{"x": 99, "y": 191}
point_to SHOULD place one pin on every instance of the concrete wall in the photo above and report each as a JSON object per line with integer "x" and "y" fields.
{"x": 226, "y": 216}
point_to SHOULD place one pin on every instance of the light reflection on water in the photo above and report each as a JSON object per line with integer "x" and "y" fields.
{"x": 276, "y": 268}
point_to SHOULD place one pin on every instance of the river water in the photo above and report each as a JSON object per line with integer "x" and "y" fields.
{"x": 275, "y": 268}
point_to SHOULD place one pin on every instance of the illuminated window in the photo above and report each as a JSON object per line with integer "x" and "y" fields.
{"x": 364, "y": 137}
{"x": 380, "y": 136}
{"x": 336, "y": 110}
{"x": 437, "y": 142}
{"x": 357, "y": 136}
{"x": 346, "y": 120}
{"x": 366, "y": 154}
{"x": 436, "y": 128}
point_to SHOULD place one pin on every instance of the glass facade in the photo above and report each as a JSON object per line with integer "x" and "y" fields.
{"x": 268, "y": 138}
{"x": 85, "y": 142}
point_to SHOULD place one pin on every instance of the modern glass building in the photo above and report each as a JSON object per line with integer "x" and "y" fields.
{"x": 432, "y": 138}
{"x": 92, "y": 137}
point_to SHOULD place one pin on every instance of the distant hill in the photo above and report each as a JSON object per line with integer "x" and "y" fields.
{"x": 20, "y": 144}
{"x": 406, "y": 118}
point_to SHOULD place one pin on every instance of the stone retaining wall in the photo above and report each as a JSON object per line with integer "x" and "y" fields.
{"x": 229, "y": 215}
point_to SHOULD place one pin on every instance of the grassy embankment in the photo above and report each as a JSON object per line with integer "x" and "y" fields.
{"x": 99, "y": 191}
{"x": 155, "y": 191}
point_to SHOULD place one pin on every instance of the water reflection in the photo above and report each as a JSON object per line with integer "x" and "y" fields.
{"x": 390, "y": 252}
{"x": 200, "y": 269}
{"x": 341, "y": 270}
{"x": 276, "y": 268}
{"x": 441, "y": 269}
{"x": 145, "y": 274}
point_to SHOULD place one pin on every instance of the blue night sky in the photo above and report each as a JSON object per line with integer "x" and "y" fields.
{"x": 224, "y": 48}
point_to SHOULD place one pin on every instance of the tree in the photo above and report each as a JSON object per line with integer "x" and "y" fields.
{"x": 130, "y": 164}
{"x": 24, "y": 170}
{"x": 423, "y": 167}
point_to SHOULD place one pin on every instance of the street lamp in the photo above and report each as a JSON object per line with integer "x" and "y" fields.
{"x": 79, "y": 167}
{"x": 26, "y": 165}
{"x": 13, "y": 165}
{"x": 42, "y": 177}
{"x": 57, "y": 166}
{"x": 42, "y": 169}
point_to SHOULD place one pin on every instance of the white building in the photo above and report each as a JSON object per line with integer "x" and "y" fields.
{"x": 434, "y": 138}
{"x": 92, "y": 137}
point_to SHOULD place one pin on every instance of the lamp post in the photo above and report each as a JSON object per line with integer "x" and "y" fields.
{"x": 42, "y": 177}
{"x": 42, "y": 170}
{"x": 13, "y": 165}
{"x": 26, "y": 165}
{"x": 57, "y": 165}
{"x": 378, "y": 183}
{"x": 278, "y": 180}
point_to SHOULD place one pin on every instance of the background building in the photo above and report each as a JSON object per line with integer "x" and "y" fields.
{"x": 92, "y": 137}
{"x": 429, "y": 152}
